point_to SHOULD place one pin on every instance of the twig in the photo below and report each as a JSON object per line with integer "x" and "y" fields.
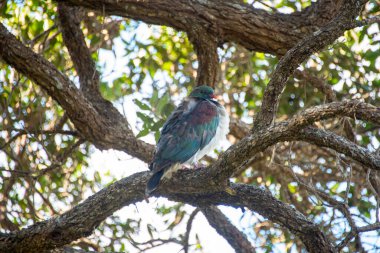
{"x": 352, "y": 234}
{"x": 368, "y": 21}
{"x": 39, "y": 36}
{"x": 188, "y": 229}
{"x": 55, "y": 164}
{"x": 317, "y": 83}
{"x": 373, "y": 190}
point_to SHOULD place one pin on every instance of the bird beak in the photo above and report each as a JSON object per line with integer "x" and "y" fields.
{"x": 215, "y": 96}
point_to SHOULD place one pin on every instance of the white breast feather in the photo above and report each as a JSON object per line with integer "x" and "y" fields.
{"x": 220, "y": 135}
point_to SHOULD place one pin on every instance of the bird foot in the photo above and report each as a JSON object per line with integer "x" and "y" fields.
{"x": 185, "y": 167}
{"x": 199, "y": 166}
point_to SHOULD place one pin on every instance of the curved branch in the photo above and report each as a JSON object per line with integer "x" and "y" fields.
{"x": 352, "y": 234}
{"x": 73, "y": 38}
{"x": 198, "y": 189}
{"x": 340, "y": 144}
{"x": 188, "y": 230}
{"x": 299, "y": 53}
{"x": 290, "y": 130}
{"x": 84, "y": 218}
{"x": 354, "y": 109}
{"x": 100, "y": 124}
{"x": 232, "y": 21}
{"x": 206, "y": 47}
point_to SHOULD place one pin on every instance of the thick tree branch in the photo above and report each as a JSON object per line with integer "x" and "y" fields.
{"x": 232, "y": 21}
{"x": 338, "y": 143}
{"x": 70, "y": 18}
{"x": 206, "y": 47}
{"x": 84, "y": 218}
{"x": 354, "y": 109}
{"x": 299, "y": 53}
{"x": 225, "y": 228}
{"x": 198, "y": 189}
{"x": 100, "y": 124}
{"x": 111, "y": 131}
{"x": 105, "y": 131}
{"x": 239, "y": 154}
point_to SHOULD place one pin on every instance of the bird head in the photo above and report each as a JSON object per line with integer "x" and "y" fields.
{"x": 203, "y": 92}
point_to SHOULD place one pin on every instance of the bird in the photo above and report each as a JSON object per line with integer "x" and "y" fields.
{"x": 195, "y": 127}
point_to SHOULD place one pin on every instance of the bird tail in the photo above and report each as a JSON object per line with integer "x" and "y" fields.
{"x": 153, "y": 182}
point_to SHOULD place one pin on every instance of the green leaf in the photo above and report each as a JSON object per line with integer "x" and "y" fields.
{"x": 142, "y": 105}
{"x": 143, "y": 133}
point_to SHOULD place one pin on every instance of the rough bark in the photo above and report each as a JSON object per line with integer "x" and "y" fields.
{"x": 70, "y": 18}
{"x": 237, "y": 155}
{"x": 206, "y": 47}
{"x": 196, "y": 189}
{"x": 228, "y": 21}
{"x": 299, "y": 53}
{"x": 101, "y": 124}
{"x": 84, "y": 218}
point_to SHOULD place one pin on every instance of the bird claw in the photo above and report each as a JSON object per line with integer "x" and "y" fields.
{"x": 198, "y": 166}
{"x": 185, "y": 167}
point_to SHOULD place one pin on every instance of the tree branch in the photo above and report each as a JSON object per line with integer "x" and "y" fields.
{"x": 188, "y": 230}
{"x": 101, "y": 124}
{"x": 324, "y": 138}
{"x": 352, "y": 234}
{"x": 368, "y": 21}
{"x": 70, "y": 18}
{"x": 231, "y": 21}
{"x": 299, "y": 53}
{"x": 225, "y": 228}
{"x": 290, "y": 130}
{"x": 85, "y": 217}
{"x": 198, "y": 189}
{"x": 206, "y": 47}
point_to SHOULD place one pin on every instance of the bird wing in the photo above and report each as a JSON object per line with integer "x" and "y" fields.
{"x": 185, "y": 133}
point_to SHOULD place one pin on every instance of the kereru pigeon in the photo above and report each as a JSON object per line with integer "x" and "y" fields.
{"x": 194, "y": 129}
